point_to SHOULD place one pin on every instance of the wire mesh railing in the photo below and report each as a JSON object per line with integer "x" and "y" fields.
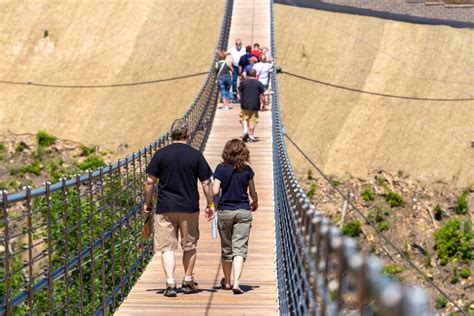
{"x": 320, "y": 271}
{"x": 75, "y": 246}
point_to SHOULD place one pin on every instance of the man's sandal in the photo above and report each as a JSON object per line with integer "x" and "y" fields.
{"x": 237, "y": 290}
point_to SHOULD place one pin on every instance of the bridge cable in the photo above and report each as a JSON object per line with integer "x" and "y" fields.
{"x": 113, "y": 85}
{"x": 375, "y": 93}
{"x": 427, "y": 279}
{"x": 366, "y": 43}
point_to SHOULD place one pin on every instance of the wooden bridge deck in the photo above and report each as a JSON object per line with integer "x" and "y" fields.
{"x": 251, "y": 23}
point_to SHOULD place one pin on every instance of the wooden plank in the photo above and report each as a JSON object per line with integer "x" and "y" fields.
{"x": 251, "y": 23}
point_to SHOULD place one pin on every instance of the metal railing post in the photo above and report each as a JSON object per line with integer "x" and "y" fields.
{"x": 6, "y": 244}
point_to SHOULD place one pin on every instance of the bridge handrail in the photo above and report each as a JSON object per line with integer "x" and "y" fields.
{"x": 320, "y": 271}
{"x": 111, "y": 200}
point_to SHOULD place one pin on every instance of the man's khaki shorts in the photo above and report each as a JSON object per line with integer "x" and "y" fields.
{"x": 167, "y": 226}
{"x": 250, "y": 116}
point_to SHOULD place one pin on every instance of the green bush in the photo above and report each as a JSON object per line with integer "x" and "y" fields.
{"x": 465, "y": 273}
{"x": 56, "y": 170}
{"x": 394, "y": 199}
{"x": 44, "y": 139}
{"x": 87, "y": 151}
{"x": 353, "y": 228}
{"x": 2, "y": 151}
{"x": 383, "y": 226}
{"x": 21, "y": 147}
{"x": 311, "y": 191}
{"x": 438, "y": 212}
{"x": 368, "y": 195}
{"x": 334, "y": 181}
{"x": 441, "y": 302}
{"x": 91, "y": 163}
{"x": 460, "y": 207}
{"x": 454, "y": 279}
{"x": 33, "y": 168}
{"x": 376, "y": 216}
{"x": 453, "y": 243}
{"x": 393, "y": 271}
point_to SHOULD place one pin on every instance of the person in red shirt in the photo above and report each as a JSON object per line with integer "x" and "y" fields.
{"x": 257, "y": 52}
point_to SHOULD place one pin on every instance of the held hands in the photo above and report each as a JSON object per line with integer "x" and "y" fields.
{"x": 147, "y": 208}
{"x": 210, "y": 212}
{"x": 254, "y": 206}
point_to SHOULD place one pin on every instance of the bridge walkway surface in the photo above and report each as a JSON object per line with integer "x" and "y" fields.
{"x": 251, "y": 23}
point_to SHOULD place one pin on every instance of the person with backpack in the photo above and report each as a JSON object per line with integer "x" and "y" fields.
{"x": 224, "y": 78}
{"x": 233, "y": 182}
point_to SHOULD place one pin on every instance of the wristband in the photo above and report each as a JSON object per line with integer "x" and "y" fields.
{"x": 210, "y": 204}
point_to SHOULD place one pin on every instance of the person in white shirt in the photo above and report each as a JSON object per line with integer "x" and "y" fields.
{"x": 263, "y": 69}
{"x": 236, "y": 52}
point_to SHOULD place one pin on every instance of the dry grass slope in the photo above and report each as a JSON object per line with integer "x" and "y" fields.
{"x": 347, "y": 132}
{"x": 100, "y": 43}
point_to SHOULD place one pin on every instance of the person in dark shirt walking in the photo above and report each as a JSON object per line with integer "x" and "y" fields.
{"x": 178, "y": 167}
{"x": 252, "y": 99}
{"x": 245, "y": 59}
{"x": 234, "y": 178}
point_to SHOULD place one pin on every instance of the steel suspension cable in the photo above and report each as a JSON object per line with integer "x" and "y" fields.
{"x": 386, "y": 95}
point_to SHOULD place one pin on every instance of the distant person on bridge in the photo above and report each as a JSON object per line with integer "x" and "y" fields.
{"x": 257, "y": 51}
{"x": 252, "y": 99}
{"x": 236, "y": 52}
{"x": 224, "y": 78}
{"x": 178, "y": 167}
{"x": 252, "y": 61}
{"x": 245, "y": 59}
{"x": 234, "y": 179}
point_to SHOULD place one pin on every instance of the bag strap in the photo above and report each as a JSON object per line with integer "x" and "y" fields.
{"x": 222, "y": 67}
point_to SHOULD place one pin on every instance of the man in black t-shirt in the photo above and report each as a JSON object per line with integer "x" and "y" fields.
{"x": 178, "y": 168}
{"x": 251, "y": 98}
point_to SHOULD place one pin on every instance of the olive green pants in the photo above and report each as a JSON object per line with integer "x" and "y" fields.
{"x": 234, "y": 229}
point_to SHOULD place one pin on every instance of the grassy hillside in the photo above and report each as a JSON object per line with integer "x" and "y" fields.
{"x": 349, "y": 132}
{"x": 90, "y": 43}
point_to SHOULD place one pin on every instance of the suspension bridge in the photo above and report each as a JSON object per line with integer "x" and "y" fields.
{"x": 74, "y": 247}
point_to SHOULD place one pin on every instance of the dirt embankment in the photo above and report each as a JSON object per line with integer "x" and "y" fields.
{"x": 96, "y": 43}
{"x": 348, "y": 132}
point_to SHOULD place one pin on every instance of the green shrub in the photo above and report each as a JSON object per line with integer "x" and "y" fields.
{"x": 91, "y": 163}
{"x": 441, "y": 302}
{"x": 460, "y": 207}
{"x": 368, "y": 195}
{"x": 453, "y": 243}
{"x": 383, "y": 226}
{"x": 353, "y": 228}
{"x": 438, "y": 212}
{"x": 2, "y": 148}
{"x": 87, "y": 151}
{"x": 44, "y": 139}
{"x": 311, "y": 191}
{"x": 454, "y": 279}
{"x": 394, "y": 199}
{"x": 39, "y": 153}
{"x": 33, "y": 168}
{"x": 465, "y": 273}
{"x": 377, "y": 215}
{"x": 393, "y": 271}
{"x": 56, "y": 170}
{"x": 334, "y": 181}
{"x": 21, "y": 147}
